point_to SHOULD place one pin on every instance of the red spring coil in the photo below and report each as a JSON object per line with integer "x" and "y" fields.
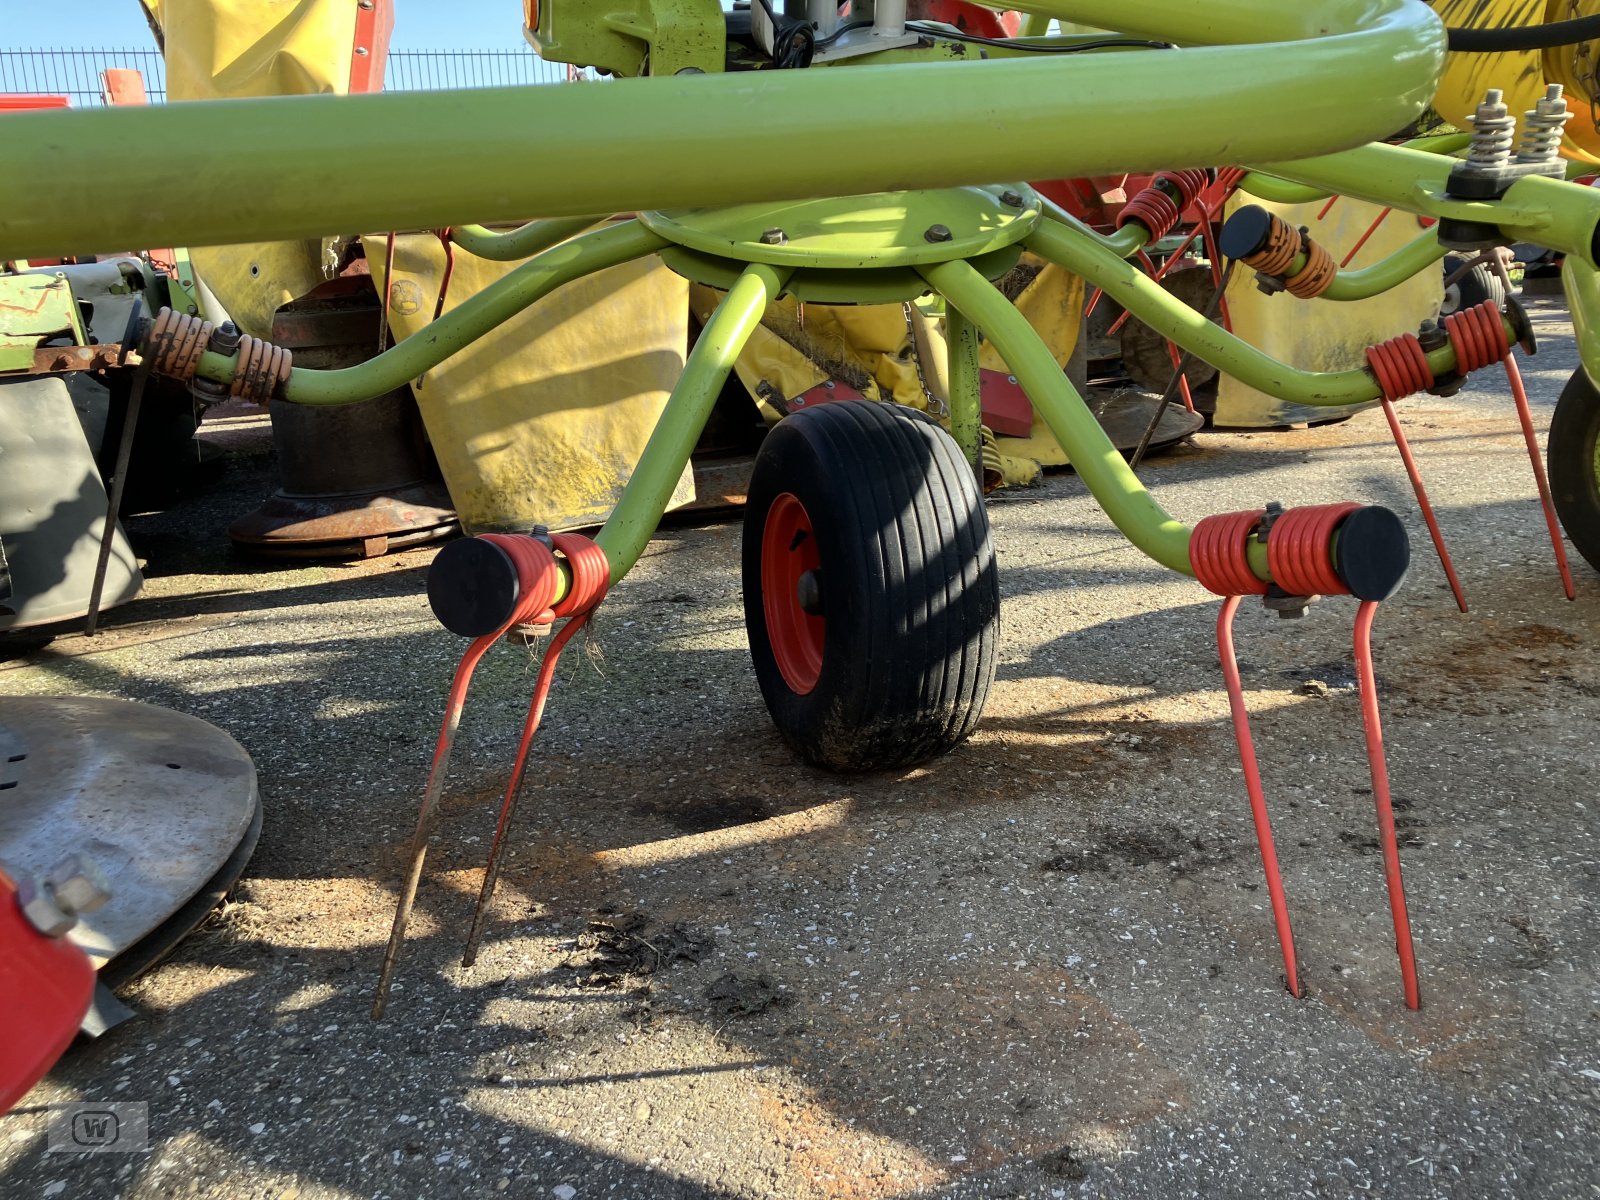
{"x": 1217, "y": 554}
{"x": 1160, "y": 206}
{"x": 591, "y": 574}
{"x": 1152, "y": 208}
{"x": 1189, "y": 183}
{"x": 1401, "y": 366}
{"x": 536, "y": 580}
{"x": 1478, "y": 336}
{"x": 1316, "y": 276}
{"x": 1300, "y": 550}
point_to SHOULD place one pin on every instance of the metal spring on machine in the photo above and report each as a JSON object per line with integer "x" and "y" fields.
{"x": 1543, "y": 127}
{"x": 262, "y": 369}
{"x": 1160, "y": 206}
{"x": 175, "y": 343}
{"x": 1493, "y": 128}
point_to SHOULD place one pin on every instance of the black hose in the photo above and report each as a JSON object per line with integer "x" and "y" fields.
{"x": 1525, "y": 37}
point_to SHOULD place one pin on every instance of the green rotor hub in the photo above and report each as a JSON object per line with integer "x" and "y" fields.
{"x": 881, "y": 230}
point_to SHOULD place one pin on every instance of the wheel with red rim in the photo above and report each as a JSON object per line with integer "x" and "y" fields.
{"x": 1572, "y": 456}
{"x": 870, "y": 591}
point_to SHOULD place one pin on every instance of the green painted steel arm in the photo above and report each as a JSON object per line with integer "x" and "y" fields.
{"x": 1281, "y": 191}
{"x": 1347, "y": 285}
{"x": 462, "y": 325}
{"x": 1390, "y": 271}
{"x": 519, "y": 243}
{"x": 1105, "y": 472}
{"x": 313, "y": 165}
{"x": 1548, "y": 212}
{"x": 1075, "y": 247}
{"x": 1582, "y": 286}
{"x": 644, "y": 498}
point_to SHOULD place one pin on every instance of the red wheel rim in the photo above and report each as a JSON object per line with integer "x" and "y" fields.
{"x": 788, "y": 551}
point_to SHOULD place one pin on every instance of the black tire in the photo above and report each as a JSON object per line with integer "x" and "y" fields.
{"x": 908, "y": 631}
{"x": 1574, "y": 471}
{"x": 1476, "y": 286}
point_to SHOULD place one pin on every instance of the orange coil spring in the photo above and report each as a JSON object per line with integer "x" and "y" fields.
{"x": 591, "y": 574}
{"x": 1278, "y": 252}
{"x": 1159, "y": 206}
{"x": 1217, "y": 554}
{"x": 261, "y": 369}
{"x": 1401, "y": 366}
{"x": 1478, "y": 336}
{"x": 536, "y": 580}
{"x": 1316, "y": 276}
{"x": 1300, "y": 550}
{"x": 175, "y": 344}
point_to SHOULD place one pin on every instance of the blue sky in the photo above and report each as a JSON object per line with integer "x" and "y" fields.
{"x": 418, "y": 24}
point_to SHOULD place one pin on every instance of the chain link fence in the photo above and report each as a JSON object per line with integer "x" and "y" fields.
{"x": 76, "y": 73}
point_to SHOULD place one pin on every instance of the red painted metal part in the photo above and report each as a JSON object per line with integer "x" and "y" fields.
{"x": 13, "y": 103}
{"x": 788, "y": 551}
{"x": 1478, "y": 336}
{"x": 45, "y": 987}
{"x": 1300, "y": 560}
{"x": 369, "y": 51}
{"x": 1371, "y": 722}
{"x": 969, "y": 18}
{"x": 591, "y": 579}
{"x": 536, "y": 572}
{"x": 1253, "y": 789}
{"x": 449, "y": 269}
{"x": 1519, "y": 396}
{"x": 123, "y": 86}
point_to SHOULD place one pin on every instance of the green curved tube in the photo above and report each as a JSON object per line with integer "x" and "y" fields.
{"x": 519, "y": 243}
{"x": 644, "y": 498}
{"x": 1281, "y": 191}
{"x": 1372, "y": 280}
{"x": 1105, "y": 472}
{"x": 307, "y": 166}
{"x": 459, "y": 327}
{"x": 1075, "y": 248}
{"x": 1548, "y": 212}
{"x": 1417, "y": 255}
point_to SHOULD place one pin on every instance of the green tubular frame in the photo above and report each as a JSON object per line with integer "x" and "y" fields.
{"x": 966, "y": 400}
{"x": 320, "y": 164}
{"x": 645, "y": 496}
{"x": 1076, "y": 249}
{"x": 462, "y": 325}
{"x": 525, "y": 242}
{"x": 1106, "y": 474}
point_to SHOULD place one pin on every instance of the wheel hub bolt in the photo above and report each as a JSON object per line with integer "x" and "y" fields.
{"x": 808, "y": 589}
{"x": 1011, "y": 199}
{"x": 773, "y": 237}
{"x": 938, "y": 233}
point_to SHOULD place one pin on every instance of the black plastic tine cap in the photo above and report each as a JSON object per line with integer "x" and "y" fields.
{"x": 472, "y": 587}
{"x": 1372, "y": 553}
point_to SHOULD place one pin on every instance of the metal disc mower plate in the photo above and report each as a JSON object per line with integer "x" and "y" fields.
{"x": 161, "y": 802}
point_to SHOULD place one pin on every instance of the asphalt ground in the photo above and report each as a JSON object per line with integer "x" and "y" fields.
{"x": 1042, "y": 966}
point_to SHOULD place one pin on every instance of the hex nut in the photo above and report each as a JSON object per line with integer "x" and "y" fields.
{"x": 77, "y": 885}
{"x": 40, "y": 910}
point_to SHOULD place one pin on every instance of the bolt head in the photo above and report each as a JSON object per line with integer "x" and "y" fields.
{"x": 79, "y": 886}
{"x": 808, "y": 590}
{"x": 1011, "y": 199}
{"x": 774, "y": 237}
{"x": 40, "y": 910}
{"x": 938, "y": 233}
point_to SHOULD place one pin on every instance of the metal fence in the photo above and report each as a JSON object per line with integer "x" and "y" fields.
{"x": 76, "y": 73}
